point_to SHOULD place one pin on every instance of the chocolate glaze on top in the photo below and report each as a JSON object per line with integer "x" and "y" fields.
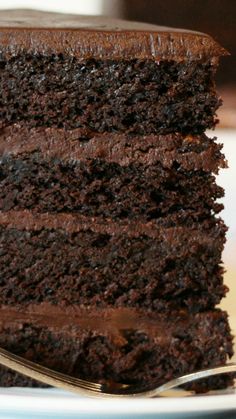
{"x": 101, "y": 38}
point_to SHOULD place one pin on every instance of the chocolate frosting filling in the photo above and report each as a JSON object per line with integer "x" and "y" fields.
{"x": 111, "y": 321}
{"x": 101, "y": 38}
{"x": 73, "y": 223}
{"x": 113, "y": 148}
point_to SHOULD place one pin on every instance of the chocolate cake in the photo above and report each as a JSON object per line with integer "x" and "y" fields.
{"x": 110, "y": 239}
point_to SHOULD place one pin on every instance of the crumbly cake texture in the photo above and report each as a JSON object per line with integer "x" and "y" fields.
{"x": 112, "y": 349}
{"x": 108, "y": 96}
{"x": 52, "y": 170}
{"x": 118, "y": 264}
{"x": 108, "y": 200}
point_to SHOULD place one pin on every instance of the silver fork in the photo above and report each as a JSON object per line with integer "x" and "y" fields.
{"x": 88, "y": 388}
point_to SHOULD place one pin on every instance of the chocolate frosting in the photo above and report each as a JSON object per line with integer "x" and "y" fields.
{"x": 109, "y": 321}
{"x": 118, "y": 148}
{"x": 74, "y": 223}
{"x": 101, "y": 38}
{"x": 112, "y": 322}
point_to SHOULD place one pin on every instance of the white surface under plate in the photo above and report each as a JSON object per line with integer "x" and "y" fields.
{"x": 18, "y": 403}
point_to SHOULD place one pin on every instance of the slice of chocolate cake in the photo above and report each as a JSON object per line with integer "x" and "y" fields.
{"x": 110, "y": 241}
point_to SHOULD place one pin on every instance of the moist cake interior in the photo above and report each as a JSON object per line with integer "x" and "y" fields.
{"x": 110, "y": 236}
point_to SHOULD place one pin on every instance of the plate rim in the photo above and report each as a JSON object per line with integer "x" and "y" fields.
{"x": 58, "y": 401}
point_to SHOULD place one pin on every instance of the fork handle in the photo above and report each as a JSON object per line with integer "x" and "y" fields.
{"x": 86, "y": 388}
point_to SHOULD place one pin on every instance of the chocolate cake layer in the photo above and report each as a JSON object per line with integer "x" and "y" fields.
{"x": 95, "y": 187}
{"x": 127, "y": 347}
{"x": 136, "y": 96}
{"x": 101, "y": 37}
{"x": 135, "y": 77}
{"x": 110, "y": 175}
{"x": 87, "y": 261}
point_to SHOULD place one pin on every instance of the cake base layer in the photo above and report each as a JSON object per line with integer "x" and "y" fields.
{"x": 84, "y": 260}
{"x": 118, "y": 345}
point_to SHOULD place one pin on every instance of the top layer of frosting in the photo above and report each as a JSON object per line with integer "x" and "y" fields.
{"x": 101, "y": 37}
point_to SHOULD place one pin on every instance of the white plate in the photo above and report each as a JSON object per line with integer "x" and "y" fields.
{"x": 17, "y": 403}
{"x": 55, "y": 403}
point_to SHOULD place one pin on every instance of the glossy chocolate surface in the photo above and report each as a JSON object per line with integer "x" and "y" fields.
{"x": 101, "y": 37}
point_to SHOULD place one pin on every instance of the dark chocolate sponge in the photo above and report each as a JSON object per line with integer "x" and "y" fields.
{"x": 88, "y": 261}
{"x": 140, "y": 97}
{"x": 108, "y": 200}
